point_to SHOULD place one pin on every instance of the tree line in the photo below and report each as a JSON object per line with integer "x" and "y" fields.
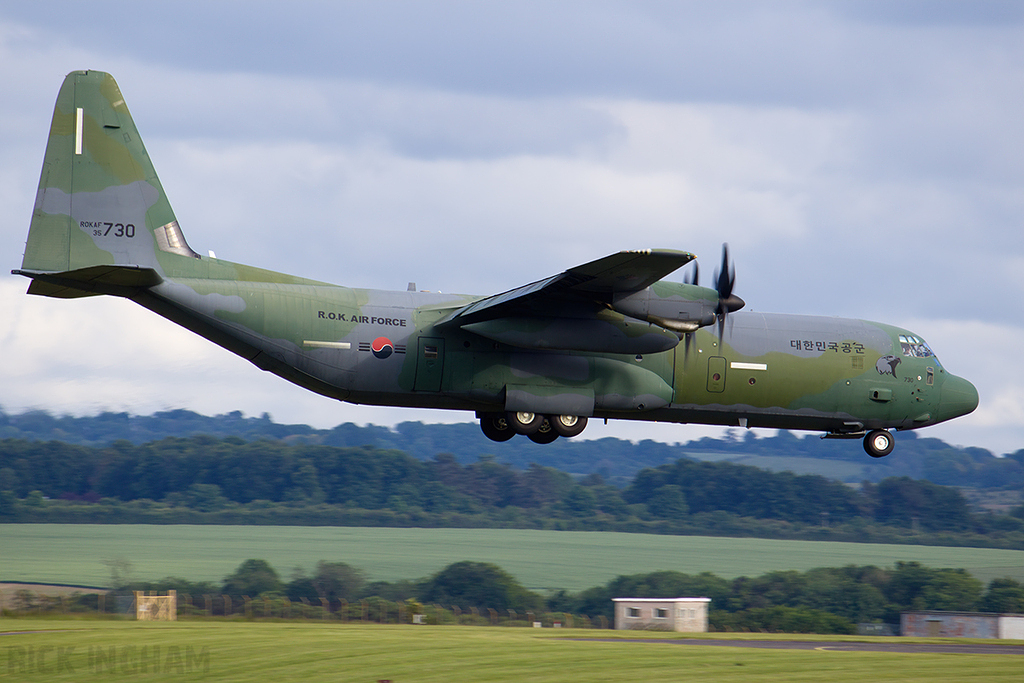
{"x": 824, "y": 600}
{"x": 616, "y": 460}
{"x": 842, "y": 597}
{"x": 203, "y": 479}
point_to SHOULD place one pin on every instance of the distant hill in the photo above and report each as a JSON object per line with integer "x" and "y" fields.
{"x": 616, "y": 460}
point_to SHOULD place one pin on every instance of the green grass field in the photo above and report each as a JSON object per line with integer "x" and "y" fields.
{"x": 572, "y": 560}
{"x": 833, "y": 469}
{"x": 76, "y": 650}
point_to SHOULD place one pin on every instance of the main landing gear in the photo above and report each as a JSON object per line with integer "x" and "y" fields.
{"x": 539, "y": 428}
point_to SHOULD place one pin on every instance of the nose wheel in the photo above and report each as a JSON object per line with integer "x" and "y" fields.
{"x": 879, "y": 443}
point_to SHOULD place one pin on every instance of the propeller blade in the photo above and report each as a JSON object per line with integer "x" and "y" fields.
{"x": 725, "y": 278}
{"x": 727, "y": 301}
{"x": 694, "y": 277}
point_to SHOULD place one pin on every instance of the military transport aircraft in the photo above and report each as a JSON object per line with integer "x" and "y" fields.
{"x": 608, "y": 339}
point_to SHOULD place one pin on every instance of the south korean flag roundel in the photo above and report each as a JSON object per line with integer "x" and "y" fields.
{"x": 382, "y": 347}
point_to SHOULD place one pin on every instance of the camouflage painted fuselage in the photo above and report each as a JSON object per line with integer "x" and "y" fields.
{"x": 600, "y": 340}
{"x": 785, "y": 371}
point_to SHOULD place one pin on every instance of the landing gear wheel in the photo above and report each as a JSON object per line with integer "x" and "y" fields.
{"x": 879, "y": 443}
{"x": 546, "y": 434}
{"x": 495, "y": 427}
{"x": 568, "y": 425}
{"x": 524, "y": 423}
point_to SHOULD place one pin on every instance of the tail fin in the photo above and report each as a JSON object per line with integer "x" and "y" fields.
{"x": 101, "y": 218}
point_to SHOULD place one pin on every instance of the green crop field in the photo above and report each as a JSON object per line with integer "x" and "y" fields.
{"x": 833, "y": 469}
{"x": 572, "y": 560}
{"x": 76, "y": 650}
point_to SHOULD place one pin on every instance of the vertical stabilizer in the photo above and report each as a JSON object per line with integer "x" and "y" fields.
{"x": 99, "y": 202}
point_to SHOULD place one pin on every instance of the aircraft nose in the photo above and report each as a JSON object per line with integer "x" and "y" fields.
{"x": 958, "y": 397}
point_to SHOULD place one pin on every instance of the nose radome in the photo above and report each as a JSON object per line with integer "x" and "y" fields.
{"x": 959, "y": 397}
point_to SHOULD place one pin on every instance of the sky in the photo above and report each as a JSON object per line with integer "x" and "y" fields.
{"x": 862, "y": 159}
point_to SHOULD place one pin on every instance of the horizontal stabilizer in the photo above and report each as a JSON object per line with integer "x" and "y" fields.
{"x": 71, "y": 284}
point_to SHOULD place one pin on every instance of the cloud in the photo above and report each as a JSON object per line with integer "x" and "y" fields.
{"x": 677, "y": 176}
{"x": 935, "y": 12}
{"x": 795, "y": 53}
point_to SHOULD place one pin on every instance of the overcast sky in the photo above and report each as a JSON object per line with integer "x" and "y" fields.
{"x": 862, "y": 159}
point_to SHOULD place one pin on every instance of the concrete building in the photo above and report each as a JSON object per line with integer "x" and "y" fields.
{"x": 935, "y": 624}
{"x": 688, "y": 615}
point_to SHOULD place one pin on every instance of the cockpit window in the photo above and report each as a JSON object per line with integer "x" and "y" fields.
{"x": 914, "y": 347}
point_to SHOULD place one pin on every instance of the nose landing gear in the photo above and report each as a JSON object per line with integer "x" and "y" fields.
{"x": 879, "y": 443}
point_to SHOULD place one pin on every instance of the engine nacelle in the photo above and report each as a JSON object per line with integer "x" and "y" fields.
{"x": 681, "y": 308}
{"x": 611, "y": 335}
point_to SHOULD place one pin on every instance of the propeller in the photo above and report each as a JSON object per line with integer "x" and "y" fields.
{"x": 692, "y": 278}
{"x": 727, "y": 301}
{"x": 725, "y": 281}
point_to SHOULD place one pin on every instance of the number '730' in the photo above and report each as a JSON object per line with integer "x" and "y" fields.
{"x": 118, "y": 230}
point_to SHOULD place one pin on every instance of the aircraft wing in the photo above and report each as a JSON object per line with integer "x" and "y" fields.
{"x": 583, "y": 289}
